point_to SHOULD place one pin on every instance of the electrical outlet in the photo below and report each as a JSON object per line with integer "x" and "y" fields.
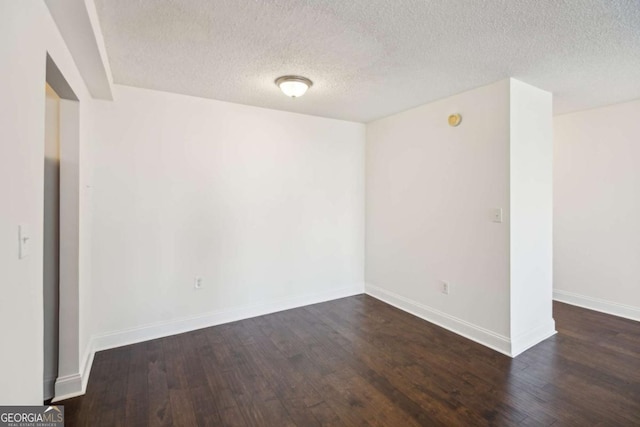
{"x": 444, "y": 288}
{"x": 197, "y": 284}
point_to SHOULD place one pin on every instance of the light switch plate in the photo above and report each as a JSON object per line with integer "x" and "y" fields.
{"x": 24, "y": 241}
{"x": 445, "y": 288}
{"x": 496, "y": 215}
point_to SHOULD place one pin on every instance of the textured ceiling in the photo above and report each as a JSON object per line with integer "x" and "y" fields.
{"x": 372, "y": 58}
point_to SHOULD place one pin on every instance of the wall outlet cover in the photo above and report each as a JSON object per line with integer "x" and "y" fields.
{"x": 496, "y": 215}
{"x": 445, "y": 288}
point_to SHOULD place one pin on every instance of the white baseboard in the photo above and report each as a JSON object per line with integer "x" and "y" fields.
{"x": 68, "y": 386}
{"x": 597, "y": 304}
{"x": 461, "y": 327}
{"x": 76, "y": 384}
{"x": 48, "y": 386}
{"x": 523, "y": 342}
{"x": 86, "y": 366}
{"x": 178, "y": 326}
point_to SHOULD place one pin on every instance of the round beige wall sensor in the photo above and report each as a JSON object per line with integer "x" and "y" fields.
{"x": 455, "y": 119}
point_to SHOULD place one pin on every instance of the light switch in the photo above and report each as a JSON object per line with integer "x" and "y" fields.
{"x": 24, "y": 244}
{"x": 496, "y": 215}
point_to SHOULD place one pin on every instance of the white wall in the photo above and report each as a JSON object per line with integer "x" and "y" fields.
{"x": 531, "y": 212}
{"x": 266, "y": 206}
{"x": 597, "y": 209}
{"x": 27, "y": 33}
{"x": 69, "y": 382}
{"x": 51, "y": 239}
{"x": 430, "y": 192}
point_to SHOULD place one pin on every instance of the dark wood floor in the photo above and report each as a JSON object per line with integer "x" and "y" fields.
{"x": 358, "y": 361}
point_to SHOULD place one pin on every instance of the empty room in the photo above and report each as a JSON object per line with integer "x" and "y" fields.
{"x": 310, "y": 213}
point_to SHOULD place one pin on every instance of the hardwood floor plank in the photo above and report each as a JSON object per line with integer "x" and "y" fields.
{"x": 137, "y": 397}
{"x": 256, "y": 400}
{"x": 358, "y": 361}
{"x": 436, "y": 406}
{"x": 292, "y": 389}
{"x": 160, "y": 413}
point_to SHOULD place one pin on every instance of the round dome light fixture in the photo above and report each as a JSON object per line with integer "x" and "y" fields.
{"x": 293, "y": 86}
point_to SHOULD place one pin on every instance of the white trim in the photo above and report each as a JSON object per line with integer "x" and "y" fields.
{"x": 597, "y": 304}
{"x": 68, "y": 386}
{"x": 525, "y": 341}
{"x": 49, "y": 384}
{"x": 86, "y": 366}
{"x": 186, "y": 324}
{"x": 75, "y": 385}
{"x": 461, "y": 327}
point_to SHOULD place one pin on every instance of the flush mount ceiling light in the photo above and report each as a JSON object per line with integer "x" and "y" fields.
{"x": 293, "y": 86}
